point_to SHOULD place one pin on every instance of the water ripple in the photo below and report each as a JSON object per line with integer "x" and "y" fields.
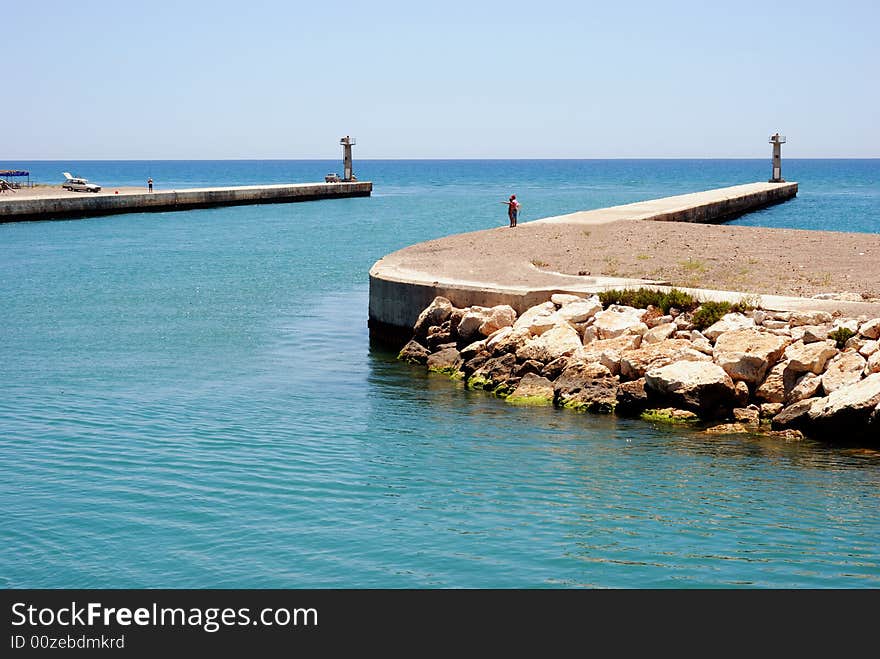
{"x": 190, "y": 400}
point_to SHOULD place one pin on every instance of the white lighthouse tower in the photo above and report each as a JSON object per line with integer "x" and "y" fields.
{"x": 347, "y": 142}
{"x": 777, "y": 141}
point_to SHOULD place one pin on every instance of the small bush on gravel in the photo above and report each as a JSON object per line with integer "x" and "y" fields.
{"x": 841, "y": 335}
{"x": 746, "y": 303}
{"x": 710, "y": 313}
{"x": 678, "y": 299}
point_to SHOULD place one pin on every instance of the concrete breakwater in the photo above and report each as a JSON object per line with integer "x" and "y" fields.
{"x": 406, "y": 281}
{"x": 107, "y": 203}
{"x": 749, "y": 370}
{"x": 719, "y": 205}
{"x": 488, "y": 309}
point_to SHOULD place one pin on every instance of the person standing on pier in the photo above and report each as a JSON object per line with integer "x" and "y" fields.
{"x": 150, "y": 183}
{"x": 512, "y": 209}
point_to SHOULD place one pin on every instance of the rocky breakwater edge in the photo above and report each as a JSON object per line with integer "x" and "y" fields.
{"x": 728, "y": 370}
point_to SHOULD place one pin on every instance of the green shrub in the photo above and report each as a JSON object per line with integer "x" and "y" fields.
{"x": 679, "y": 300}
{"x": 616, "y": 296}
{"x": 710, "y": 313}
{"x": 642, "y": 298}
{"x": 841, "y": 335}
{"x": 747, "y": 303}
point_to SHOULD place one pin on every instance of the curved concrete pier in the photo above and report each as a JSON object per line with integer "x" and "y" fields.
{"x": 483, "y": 268}
{"x": 84, "y": 204}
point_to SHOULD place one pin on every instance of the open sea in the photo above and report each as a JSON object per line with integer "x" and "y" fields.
{"x": 191, "y": 400}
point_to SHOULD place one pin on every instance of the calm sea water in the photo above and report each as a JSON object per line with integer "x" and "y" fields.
{"x": 190, "y": 400}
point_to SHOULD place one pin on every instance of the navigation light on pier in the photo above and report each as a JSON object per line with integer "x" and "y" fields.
{"x": 347, "y": 142}
{"x": 777, "y": 141}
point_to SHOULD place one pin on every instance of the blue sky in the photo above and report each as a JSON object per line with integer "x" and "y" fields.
{"x": 253, "y": 79}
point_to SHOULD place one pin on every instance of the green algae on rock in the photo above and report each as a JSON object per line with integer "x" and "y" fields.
{"x": 744, "y": 370}
{"x": 669, "y": 415}
{"x": 533, "y": 389}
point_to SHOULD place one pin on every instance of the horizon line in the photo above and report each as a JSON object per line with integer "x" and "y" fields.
{"x": 444, "y": 159}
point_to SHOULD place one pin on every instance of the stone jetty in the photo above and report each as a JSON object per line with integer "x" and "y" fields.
{"x": 732, "y": 367}
{"x": 62, "y": 205}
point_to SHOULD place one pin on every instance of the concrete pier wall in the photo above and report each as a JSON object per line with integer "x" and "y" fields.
{"x": 721, "y": 210}
{"x": 104, "y": 203}
{"x": 710, "y": 206}
{"x": 395, "y": 304}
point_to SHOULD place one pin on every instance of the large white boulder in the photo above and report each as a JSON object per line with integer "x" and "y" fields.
{"x": 869, "y": 348}
{"x": 502, "y": 315}
{"x": 537, "y": 315}
{"x": 471, "y": 322}
{"x": 580, "y": 311}
{"x": 811, "y": 357}
{"x": 748, "y": 354}
{"x": 507, "y": 339}
{"x": 701, "y": 343}
{"x": 659, "y": 333}
{"x": 807, "y": 386}
{"x": 699, "y": 386}
{"x": 483, "y": 321}
{"x": 654, "y": 321}
{"x": 473, "y": 349}
{"x": 634, "y": 363}
{"x": 435, "y": 313}
{"x": 561, "y": 299}
{"x": 607, "y": 352}
{"x": 871, "y": 329}
{"x": 810, "y": 333}
{"x": 728, "y": 323}
{"x": 776, "y": 385}
{"x": 561, "y": 341}
{"x": 848, "y": 411}
{"x": 541, "y": 324}
{"x": 619, "y": 320}
{"x": 809, "y": 318}
{"x": 846, "y": 368}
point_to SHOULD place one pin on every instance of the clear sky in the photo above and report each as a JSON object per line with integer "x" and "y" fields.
{"x": 451, "y": 79}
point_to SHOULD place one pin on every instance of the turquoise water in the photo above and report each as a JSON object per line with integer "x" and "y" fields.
{"x": 191, "y": 400}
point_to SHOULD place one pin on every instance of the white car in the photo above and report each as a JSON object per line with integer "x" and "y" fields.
{"x": 75, "y": 184}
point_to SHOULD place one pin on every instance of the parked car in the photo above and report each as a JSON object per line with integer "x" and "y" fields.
{"x": 76, "y": 184}
{"x": 332, "y": 178}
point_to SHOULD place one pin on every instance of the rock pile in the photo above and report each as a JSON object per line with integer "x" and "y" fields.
{"x": 750, "y": 369}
